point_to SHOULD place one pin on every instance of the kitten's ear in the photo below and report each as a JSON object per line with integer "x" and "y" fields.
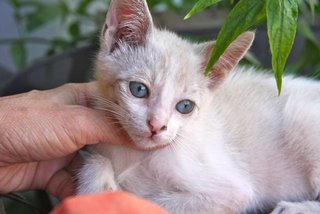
{"x": 230, "y": 58}
{"x": 127, "y": 21}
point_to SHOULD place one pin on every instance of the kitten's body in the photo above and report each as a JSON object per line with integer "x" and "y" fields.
{"x": 242, "y": 148}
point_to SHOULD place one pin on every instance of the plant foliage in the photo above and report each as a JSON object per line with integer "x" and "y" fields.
{"x": 280, "y": 17}
{"x": 282, "y": 24}
{"x": 282, "y": 21}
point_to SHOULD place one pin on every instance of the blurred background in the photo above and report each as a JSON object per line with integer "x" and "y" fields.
{"x": 46, "y": 43}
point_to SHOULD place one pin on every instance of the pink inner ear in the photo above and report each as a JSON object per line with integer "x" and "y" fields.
{"x": 230, "y": 58}
{"x": 225, "y": 64}
{"x": 217, "y": 72}
{"x": 133, "y": 26}
{"x": 128, "y": 21}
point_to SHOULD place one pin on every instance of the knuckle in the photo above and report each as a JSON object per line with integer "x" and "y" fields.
{"x": 33, "y": 93}
{"x": 70, "y": 86}
{"x": 77, "y": 91}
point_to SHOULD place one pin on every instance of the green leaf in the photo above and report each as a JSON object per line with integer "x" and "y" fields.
{"x": 200, "y": 5}
{"x": 282, "y": 25}
{"x": 82, "y": 7}
{"x": 243, "y": 16}
{"x": 304, "y": 29}
{"x": 74, "y": 30}
{"x": 42, "y": 14}
{"x": 19, "y": 54}
{"x": 312, "y": 5}
{"x": 316, "y": 72}
{"x": 64, "y": 10}
{"x": 14, "y": 3}
{"x": 61, "y": 44}
{"x": 308, "y": 58}
{"x": 51, "y": 51}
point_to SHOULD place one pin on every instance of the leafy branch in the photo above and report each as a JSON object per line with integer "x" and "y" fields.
{"x": 281, "y": 17}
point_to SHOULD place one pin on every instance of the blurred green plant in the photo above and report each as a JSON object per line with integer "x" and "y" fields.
{"x": 30, "y": 15}
{"x": 31, "y": 202}
{"x": 281, "y": 17}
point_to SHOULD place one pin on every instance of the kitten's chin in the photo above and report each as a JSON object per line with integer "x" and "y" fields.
{"x": 146, "y": 144}
{"x": 146, "y": 148}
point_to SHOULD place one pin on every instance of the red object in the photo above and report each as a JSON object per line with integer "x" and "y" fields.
{"x": 107, "y": 203}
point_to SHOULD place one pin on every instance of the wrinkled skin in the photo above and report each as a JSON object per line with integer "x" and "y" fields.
{"x": 40, "y": 133}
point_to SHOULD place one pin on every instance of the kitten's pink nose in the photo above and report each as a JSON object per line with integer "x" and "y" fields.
{"x": 156, "y": 127}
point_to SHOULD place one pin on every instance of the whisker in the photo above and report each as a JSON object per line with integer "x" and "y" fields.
{"x": 119, "y": 114}
{"x": 172, "y": 146}
{"x": 111, "y": 107}
{"x": 112, "y": 111}
{"x": 180, "y": 142}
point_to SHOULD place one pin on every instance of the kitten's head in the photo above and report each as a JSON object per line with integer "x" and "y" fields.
{"x": 153, "y": 78}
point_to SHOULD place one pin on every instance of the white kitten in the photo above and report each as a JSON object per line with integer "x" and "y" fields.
{"x": 230, "y": 144}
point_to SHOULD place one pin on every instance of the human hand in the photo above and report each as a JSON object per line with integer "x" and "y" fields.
{"x": 40, "y": 132}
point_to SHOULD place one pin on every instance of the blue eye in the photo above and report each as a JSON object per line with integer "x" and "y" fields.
{"x": 185, "y": 106}
{"x": 138, "y": 89}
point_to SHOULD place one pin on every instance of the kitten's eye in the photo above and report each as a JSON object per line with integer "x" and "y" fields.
{"x": 185, "y": 106}
{"x": 138, "y": 89}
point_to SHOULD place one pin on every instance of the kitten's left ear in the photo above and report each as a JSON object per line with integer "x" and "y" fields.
{"x": 127, "y": 21}
{"x": 229, "y": 59}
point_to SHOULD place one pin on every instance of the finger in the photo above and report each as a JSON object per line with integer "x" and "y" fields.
{"x": 69, "y": 94}
{"x": 95, "y": 126}
{"x": 75, "y": 94}
{"x": 75, "y": 165}
{"x": 61, "y": 184}
{"x": 37, "y": 175}
{"x": 90, "y": 93}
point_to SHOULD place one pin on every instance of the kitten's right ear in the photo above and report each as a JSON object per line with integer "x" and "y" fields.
{"x": 127, "y": 21}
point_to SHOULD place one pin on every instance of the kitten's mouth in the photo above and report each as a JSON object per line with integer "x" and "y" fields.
{"x": 149, "y": 144}
{"x": 146, "y": 142}
{"x": 136, "y": 146}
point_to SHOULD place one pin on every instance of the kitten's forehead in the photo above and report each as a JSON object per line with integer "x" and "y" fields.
{"x": 165, "y": 61}
{"x": 179, "y": 66}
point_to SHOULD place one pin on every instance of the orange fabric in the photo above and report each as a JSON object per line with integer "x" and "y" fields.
{"x": 107, "y": 203}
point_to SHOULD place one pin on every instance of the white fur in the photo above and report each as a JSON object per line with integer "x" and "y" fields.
{"x": 249, "y": 149}
{"x": 308, "y": 207}
{"x": 243, "y": 148}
